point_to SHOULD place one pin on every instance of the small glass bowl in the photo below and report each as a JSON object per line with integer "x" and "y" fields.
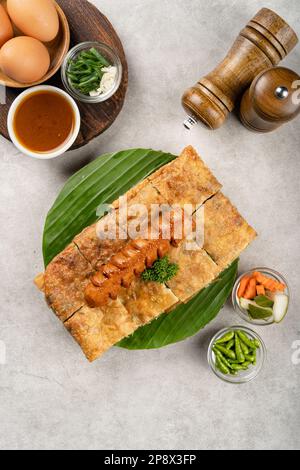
{"x": 109, "y": 54}
{"x": 242, "y": 376}
{"x": 244, "y": 313}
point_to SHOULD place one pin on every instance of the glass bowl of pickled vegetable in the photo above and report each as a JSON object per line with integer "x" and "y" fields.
{"x": 236, "y": 354}
{"x": 261, "y": 296}
{"x": 91, "y": 72}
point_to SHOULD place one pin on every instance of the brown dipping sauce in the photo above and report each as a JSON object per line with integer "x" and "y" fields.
{"x": 44, "y": 121}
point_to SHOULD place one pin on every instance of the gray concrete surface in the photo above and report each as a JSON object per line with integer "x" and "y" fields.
{"x": 50, "y": 397}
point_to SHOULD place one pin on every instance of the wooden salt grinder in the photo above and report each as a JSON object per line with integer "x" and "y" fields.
{"x": 263, "y": 43}
{"x": 272, "y": 99}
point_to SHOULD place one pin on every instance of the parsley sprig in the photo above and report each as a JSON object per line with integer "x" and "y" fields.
{"x": 162, "y": 271}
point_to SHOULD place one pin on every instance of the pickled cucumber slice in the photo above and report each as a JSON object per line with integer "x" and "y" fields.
{"x": 281, "y": 302}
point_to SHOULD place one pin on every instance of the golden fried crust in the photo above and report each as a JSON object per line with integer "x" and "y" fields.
{"x": 140, "y": 217}
{"x": 186, "y": 180}
{"x": 147, "y": 195}
{"x": 96, "y": 330}
{"x": 147, "y": 300}
{"x": 226, "y": 233}
{"x": 96, "y": 249}
{"x": 64, "y": 282}
{"x": 196, "y": 271}
{"x": 132, "y": 193}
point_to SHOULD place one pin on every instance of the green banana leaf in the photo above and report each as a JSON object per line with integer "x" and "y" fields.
{"x": 101, "y": 182}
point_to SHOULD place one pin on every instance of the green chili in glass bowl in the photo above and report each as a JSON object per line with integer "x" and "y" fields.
{"x": 236, "y": 354}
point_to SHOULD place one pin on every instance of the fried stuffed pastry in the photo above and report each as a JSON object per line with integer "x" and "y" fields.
{"x": 96, "y": 286}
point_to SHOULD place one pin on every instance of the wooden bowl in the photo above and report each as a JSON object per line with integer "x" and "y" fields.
{"x": 57, "y": 48}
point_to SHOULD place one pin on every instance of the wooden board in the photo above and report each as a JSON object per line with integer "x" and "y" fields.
{"x": 86, "y": 23}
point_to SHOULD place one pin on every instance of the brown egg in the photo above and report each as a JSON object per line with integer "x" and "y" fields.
{"x": 24, "y": 59}
{"x": 35, "y": 18}
{"x": 6, "y": 29}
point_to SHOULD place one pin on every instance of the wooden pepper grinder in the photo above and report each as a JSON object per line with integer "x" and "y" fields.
{"x": 263, "y": 43}
{"x": 271, "y": 100}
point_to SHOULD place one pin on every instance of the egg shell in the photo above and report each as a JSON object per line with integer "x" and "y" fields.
{"x": 6, "y": 29}
{"x": 24, "y": 59}
{"x": 35, "y": 18}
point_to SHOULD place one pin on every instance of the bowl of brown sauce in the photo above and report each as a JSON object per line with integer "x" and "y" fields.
{"x": 43, "y": 122}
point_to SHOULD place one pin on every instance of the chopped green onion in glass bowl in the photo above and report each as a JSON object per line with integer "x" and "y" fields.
{"x": 91, "y": 72}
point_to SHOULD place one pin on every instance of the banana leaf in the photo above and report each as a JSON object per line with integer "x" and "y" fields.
{"x": 100, "y": 182}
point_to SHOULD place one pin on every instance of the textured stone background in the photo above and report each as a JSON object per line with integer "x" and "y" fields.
{"x": 50, "y": 397}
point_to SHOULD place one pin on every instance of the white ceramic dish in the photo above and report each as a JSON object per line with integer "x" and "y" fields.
{"x": 56, "y": 152}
